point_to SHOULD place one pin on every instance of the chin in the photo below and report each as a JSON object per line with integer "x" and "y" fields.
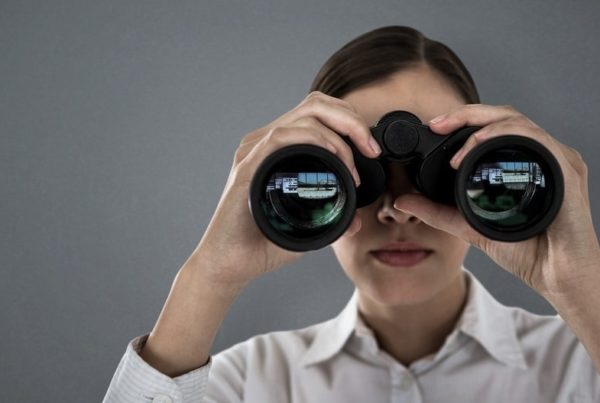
{"x": 405, "y": 294}
{"x": 404, "y": 287}
{"x": 400, "y": 291}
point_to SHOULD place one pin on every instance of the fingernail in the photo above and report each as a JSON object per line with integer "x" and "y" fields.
{"x": 374, "y": 146}
{"x": 457, "y": 157}
{"x": 437, "y": 119}
{"x": 356, "y": 176}
{"x": 331, "y": 148}
{"x": 482, "y": 134}
{"x": 400, "y": 209}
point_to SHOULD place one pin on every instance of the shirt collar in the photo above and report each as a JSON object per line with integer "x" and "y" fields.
{"x": 491, "y": 324}
{"x": 331, "y": 336}
{"x": 484, "y": 319}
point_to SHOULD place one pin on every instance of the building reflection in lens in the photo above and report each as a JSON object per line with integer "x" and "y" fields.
{"x": 305, "y": 200}
{"x": 307, "y": 185}
{"x": 500, "y": 190}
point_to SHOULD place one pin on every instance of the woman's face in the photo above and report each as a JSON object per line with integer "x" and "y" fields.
{"x": 426, "y": 94}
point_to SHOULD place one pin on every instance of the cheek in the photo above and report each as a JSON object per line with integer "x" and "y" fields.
{"x": 454, "y": 249}
{"x": 345, "y": 250}
{"x": 348, "y": 253}
{"x": 349, "y": 249}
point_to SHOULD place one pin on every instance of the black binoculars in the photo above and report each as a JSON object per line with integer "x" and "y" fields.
{"x": 508, "y": 188}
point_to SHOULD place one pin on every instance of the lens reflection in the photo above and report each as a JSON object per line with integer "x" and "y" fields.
{"x": 507, "y": 191}
{"x": 303, "y": 202}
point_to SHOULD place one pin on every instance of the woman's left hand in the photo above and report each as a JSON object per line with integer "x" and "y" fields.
{"x": 555, "y": 262}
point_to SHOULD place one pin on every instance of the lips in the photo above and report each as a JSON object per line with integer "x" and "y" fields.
{"x": 401, "y": 254}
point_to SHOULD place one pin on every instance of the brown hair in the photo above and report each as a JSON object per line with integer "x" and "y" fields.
{"x": 377, "y": 54}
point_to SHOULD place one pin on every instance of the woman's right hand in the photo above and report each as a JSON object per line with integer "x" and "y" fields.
{"x": 233, "y": 249}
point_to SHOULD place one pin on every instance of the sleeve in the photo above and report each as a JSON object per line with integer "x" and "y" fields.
{"x": 136, "y": 381}
{"x": 587, "y": 381}
{"x": 228, "y": 376}
{"x": 573, "y": 368}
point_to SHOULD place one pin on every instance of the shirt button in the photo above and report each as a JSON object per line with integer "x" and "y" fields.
{"x": 162, "y": 399}
{"x": 405, "y": 383}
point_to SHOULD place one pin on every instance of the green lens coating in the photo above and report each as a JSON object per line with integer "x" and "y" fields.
{"x": 507, "y": 189}
{"x": 303, "y": 198}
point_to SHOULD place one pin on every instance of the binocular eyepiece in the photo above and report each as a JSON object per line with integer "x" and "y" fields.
{"x": 508, "y": 188}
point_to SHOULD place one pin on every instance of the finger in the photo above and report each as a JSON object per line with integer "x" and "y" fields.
{"x": 579, "y": 166}
{"x": 575, "y": 159}
{"x": 341, "y": 148}
{"x": 439, "y": 216}
{"x": 513, "y": 126}
{"x": 339, "y": 116}
{"x": 471, "y": 115}
{"x": 278, "y": 138}
{"x": 291, "y": 115}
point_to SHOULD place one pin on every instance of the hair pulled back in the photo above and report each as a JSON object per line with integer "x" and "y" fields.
{"x": 377, "y": 54}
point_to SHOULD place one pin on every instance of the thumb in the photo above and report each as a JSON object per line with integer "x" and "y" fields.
{"x": 440, "y": 216}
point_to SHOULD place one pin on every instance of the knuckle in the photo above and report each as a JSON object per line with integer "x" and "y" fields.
{"x": 509, "y": 108}
{"x": 468, "y": 108}
{"x": 543, "y": 134}
{"x": 347, "y": 156}
{"x": 314, "y": 94}
{"x": 578, "y": 155}
{"x": 346, "y": 150}
{"x": 347, "y": 104}
{"x": 530, "y": 122}
{"x": 248, "y": 137}
{"x": 355, "y": 124}
{"x": 315, "y": 97}
{"x": 577, "y": 161}
{"x": 238, "y": 155}
{"x": 307, "y": 121}
{"x": 518, "y": 119}
{"x": 539, "y": 131}
{"x": 343, "y": 149}
{"x": 314, "y": 102}
{"x": 463, "y": 111}
{"x": 275, "y": 133}
{"x": 475, "y": 141}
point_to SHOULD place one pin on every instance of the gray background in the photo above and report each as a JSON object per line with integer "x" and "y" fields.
{"x": 118, "y": 124}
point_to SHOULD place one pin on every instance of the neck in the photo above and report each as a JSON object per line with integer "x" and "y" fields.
{"x": 409, "y": 333}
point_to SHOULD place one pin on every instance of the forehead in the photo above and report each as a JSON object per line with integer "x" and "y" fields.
{"x": 419, "y": 90}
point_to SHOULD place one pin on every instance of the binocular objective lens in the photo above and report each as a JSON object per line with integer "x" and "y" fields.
{"x": 303, "y": 198}
{"x": 507, "y": 189}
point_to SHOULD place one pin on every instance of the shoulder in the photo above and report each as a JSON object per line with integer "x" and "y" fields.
{"x": 554, "y": 351}
{"x": 544, "y": 336}
{"x": 541, "y": 330}
{"x": 273, "y": 349}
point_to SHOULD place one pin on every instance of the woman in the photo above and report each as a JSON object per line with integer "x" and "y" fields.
{"x": 419, "y": 326}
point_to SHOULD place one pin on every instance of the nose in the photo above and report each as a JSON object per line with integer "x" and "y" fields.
{"x": 387, "y": 214}
{"x": 398, "y": 183}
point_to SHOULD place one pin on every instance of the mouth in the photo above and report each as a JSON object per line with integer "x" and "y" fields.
{"x": 401, "y": 254}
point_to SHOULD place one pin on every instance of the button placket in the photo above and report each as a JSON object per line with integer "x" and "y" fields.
{"x": 406, "y": 382}
{"x": 162, "y": 399}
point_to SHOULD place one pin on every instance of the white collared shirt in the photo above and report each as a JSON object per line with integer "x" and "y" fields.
{"x": 495, "y": 354}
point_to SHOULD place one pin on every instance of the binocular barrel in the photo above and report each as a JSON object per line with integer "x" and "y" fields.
{"x": 508, "y": 188}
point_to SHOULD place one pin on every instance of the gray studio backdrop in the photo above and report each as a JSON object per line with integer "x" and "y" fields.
{"x": 118, "y": 124}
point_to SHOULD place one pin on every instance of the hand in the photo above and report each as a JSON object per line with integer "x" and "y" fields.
{"x": 234, "y": 247}
{"x": 550, "y": 263}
